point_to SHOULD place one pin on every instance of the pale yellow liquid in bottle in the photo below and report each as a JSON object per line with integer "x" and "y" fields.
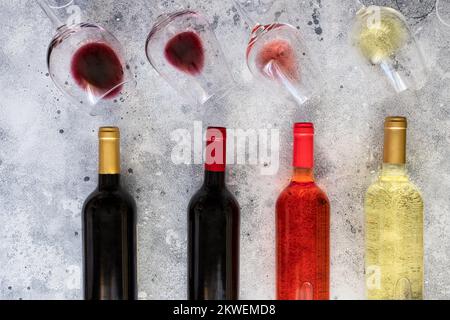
{"x": 394, "y": 237}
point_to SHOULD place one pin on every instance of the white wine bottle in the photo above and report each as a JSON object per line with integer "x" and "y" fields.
{"x": 394, "y": 224}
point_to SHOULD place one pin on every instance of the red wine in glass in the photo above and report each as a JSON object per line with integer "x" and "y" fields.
{"x": 185, "y": 52}
{"x": 97, "y": 68}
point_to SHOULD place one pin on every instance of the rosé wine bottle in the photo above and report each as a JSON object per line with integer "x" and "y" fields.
{"x": 303, "y": 228}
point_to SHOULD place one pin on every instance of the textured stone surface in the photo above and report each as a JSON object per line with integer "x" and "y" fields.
{"x": 48, "y": 145}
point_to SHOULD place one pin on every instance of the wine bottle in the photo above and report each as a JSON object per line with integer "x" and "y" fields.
{"x": 213, "y": 235}
{"x": 303, "y": 228}
{"x": 109, "y": 229}
{"x": 394, "y": 224}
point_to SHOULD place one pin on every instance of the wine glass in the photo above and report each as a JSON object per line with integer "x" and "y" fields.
{"x": 443, "y": 12}
{"x": 86, "y": 62}
{"x": 411, "y": 9}
{"x": 255, "y": 7}
{"x": 277, "y": 54}
{"x": 384, "y": 39}
{"x": 184, "y": 50}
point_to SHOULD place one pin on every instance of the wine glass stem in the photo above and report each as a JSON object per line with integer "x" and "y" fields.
{"x": 245, "y": 15}
{"x": 359, "y": 5}
{"x": 162, "y": 9}
{"x": 57, "y": 23}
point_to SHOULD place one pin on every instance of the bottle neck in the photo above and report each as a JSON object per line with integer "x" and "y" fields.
{"x": 109, "y": 152}
{"x": 108, "y": 181}
{"x": 216, "y": 149}
{"x": 394, "y": 151}
{"x": 390, "y": 171}
{"x": 109, "y": 158}
{"x": 214, "y": 179}
{"x": 303, "y": 175}
{"x": 303, "y": 146}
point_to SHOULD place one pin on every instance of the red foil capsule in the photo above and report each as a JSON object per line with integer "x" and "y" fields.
{"x": 216, "y": 149}
{"x": 303, "y": 145}
{"x": 303, "y": 228}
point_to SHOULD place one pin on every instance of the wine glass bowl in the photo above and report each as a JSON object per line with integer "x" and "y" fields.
{"x": 184, "y": 50}
{"x": 380, "y": 35}
{"x": 86, "y": 62}
{"x": 277, "y": 53}
{"x": 443, "y": 12}
{"x": 384, "y": 39}
{"x": 257, "y": 7}
{"x": 411, "y": 9}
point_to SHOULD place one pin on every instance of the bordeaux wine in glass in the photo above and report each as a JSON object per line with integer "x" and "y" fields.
{"x": 86, "y": 62}
{"x": 182, "y": 47}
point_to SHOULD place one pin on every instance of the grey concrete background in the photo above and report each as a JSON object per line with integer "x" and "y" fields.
{"x": 48, "y": 157}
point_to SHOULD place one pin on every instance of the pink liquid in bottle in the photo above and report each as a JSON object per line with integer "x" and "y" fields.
{"x": 303, "y": 228}
{"x": 185, "y": 52}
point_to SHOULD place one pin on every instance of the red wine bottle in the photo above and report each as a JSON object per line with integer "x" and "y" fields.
{"x": 109, "y": 229}
{"x": 213, "y": 235}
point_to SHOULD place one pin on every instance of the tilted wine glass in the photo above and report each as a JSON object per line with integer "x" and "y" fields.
{"x": 184, "y": 50}
{"x": 384, "y": 39}
{"x": 277, "y": 52}
{"x": 443, "y": 12}
{"x": 86, "y": 62}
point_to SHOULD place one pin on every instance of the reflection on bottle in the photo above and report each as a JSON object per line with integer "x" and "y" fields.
{"x": 373, "y": 277}
{"x": 403, "y": 290}
{"x": 306, "y": 292}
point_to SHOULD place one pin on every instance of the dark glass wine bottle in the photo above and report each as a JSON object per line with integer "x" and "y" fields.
{"x": 213, "y": 234}
{"x": 109, "y": 229}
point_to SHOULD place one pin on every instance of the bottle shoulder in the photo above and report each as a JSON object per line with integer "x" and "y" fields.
{"x": 213, "y": 197}
{"x": 404, "y": 185}
{"x": 398, "y": 194}
{"x": 113, "y": 198}
{"x": 303, "y": 191}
